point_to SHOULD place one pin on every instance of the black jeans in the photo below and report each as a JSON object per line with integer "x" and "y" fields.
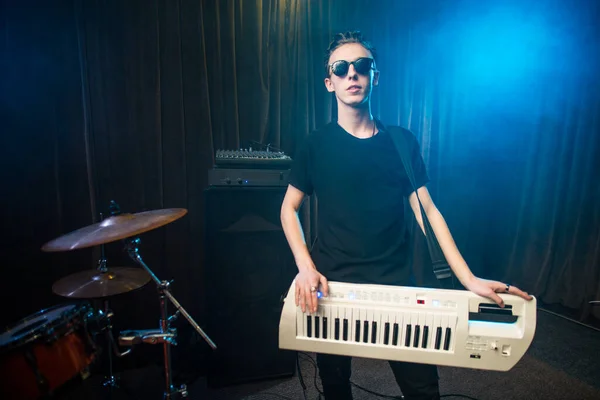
{"x": 417, "y": 381}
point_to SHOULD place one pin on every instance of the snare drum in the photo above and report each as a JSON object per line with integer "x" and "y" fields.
{"x": 44, "y": 351}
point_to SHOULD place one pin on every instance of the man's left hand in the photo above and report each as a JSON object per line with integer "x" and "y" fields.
{"x": 489, "y": 289}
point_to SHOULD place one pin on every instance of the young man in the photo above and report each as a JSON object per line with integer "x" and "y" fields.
{"x": 355, "y": 170}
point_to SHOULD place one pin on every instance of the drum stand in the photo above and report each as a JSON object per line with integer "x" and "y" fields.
{"x": 165, "y": 335}
{"x": 105, "y": 313}
{"x": 111, "y": 380}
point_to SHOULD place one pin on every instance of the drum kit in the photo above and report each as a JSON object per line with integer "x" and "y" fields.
{"x": 44, "y": 351}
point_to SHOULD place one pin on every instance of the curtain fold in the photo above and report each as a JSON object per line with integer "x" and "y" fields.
{"x": 107, "y": 100}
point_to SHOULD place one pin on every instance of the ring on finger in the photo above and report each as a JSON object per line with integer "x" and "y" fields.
{"x": 313, "y": 289}
{"x": 507, "y": 288}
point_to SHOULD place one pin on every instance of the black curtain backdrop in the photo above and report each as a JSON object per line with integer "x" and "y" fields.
{"x": 128, "y": 101}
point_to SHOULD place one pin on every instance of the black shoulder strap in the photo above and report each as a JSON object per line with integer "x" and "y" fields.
{"x": 441, "y": 268}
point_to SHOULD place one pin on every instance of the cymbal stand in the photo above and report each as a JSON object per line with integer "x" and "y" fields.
{"x": 111, "y": 380}
{"x": 165, "y": 335}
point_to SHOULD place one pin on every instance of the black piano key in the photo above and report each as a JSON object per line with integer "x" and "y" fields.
{"x": 337, "y": 329}
{"x": 386, "y": 333}
{"x": 408, "y": 332}
{"x": 438, "y": 337}
{"x": 317, "y": 326}
{"x": 417, "y": 335}
{"x": 345, "y": 331}
{"x": 447, "y": 339}
{"x": 357, "y": 333}
{"x": 366, "y": 332}
{"x": 309, "y": 326}
{"x": 395, "y": 335}
{"x": 425, "y": 336}
{"x": 324, "y": 327}
{"x": 374, "y": 333}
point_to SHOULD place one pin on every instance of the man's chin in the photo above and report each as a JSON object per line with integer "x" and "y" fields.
{"x": 355, "y": 101}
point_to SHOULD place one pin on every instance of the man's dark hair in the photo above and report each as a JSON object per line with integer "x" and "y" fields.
{"x": 342, "y": 38}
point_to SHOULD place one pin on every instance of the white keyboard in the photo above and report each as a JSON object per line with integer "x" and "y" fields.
{"x": 430, "y": 326}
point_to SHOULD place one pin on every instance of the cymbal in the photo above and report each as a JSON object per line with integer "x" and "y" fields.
{"x": 94, "y": 283}
{"x": 114, "y": 228}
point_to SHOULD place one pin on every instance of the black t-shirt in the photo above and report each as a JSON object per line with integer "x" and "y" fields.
{"x": 360, "y": 186}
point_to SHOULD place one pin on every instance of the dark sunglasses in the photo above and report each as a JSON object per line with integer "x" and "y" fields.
{"x": 362, "y": 66}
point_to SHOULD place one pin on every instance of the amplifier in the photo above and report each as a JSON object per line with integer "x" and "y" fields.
{"x": 237, "y": 177}
{"x": 249, "y": 158}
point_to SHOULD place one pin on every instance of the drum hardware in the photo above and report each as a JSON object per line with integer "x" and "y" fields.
{"x": 105, "y": 282}
{"x": 101, "y": 283}
{"x": 111, "y": 380}
{"x": 165, "y": 335}
{"x": 116, "y": 227}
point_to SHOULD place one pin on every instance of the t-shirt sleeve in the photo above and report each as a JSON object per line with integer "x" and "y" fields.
{"x": 300, "y": 173}
{"x": 418, "y": 164}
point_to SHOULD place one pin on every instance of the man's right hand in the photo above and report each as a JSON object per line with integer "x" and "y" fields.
{"x": 307, "y": 286}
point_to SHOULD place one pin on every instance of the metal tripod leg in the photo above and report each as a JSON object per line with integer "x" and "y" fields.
{"x": 111, "y": 380}
{"x": 168, "y": 334}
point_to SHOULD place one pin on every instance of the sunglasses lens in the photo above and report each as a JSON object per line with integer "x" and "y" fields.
{"x": 340, "y": 68}
{"x": 363, "y": 65}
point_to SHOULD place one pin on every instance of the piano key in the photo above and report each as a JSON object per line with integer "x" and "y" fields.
{"x": 300, "y": 325}
{"x": 352, "y": 318}
{"x": 447, "y": 339}
{"x": 395, "y": 335}
{"x": 325, "y": 327}
{"x": 386, "y": 334}
{"x": 438, "y": 337}
{"x": 417, "y": 336}
{"x": 345, "y": 330}
{"x": 357, "y": 331}
{"x": 380, "y": 318}
{"x": 425, "y": 336}
{"x": 452, "y": 321}
{"x": 366, "y": 331}
{"x": 317, "y": 326}
{"x": 309, "y": 325}
{"x": 429, "y": 323}
{"x": 337, "y": 329}
{"x": 443, "y": 326}
{"x": 374, "y": 332}
{"x": 408, "y": 333}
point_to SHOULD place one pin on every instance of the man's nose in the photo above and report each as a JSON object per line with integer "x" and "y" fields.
{"x": 352, "y": 74}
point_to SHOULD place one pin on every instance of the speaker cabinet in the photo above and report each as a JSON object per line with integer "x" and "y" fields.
{"x": 249, "y": 267}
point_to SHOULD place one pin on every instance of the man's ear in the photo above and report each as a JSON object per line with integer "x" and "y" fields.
{"x": 376, "y": 78}
{"x": 329, "y": 85}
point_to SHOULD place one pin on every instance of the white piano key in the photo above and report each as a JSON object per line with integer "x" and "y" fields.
{"x": 364, "y": 317}
{"x": 399, "y": 319}
{"x": 414, "y": 321}
{"x": 385, "y": 319}
{"x": 355, "y": 317}
{"x": 300, "y": 326}
{"x": 452, "y": 323}
{"x": 406, "y": 321}
{"x": 421, "y": 322}
{"x": 377, "y": 323}
{"x": 429, "y": 323}
{"x": 326, "y": 323}
{"x": 437, "y": 320}
{"x": 371, "y": 317}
